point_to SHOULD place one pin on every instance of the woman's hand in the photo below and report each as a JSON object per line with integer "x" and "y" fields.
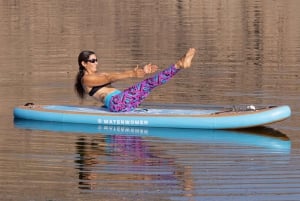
{"x": 139, "y": 72}
{"x": 147, "y": 69}
{"x": 150, "y": 68}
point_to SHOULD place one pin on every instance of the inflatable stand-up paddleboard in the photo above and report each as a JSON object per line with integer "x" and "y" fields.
{"x": 261, "y": 137}
{"x": 209, "y": 117}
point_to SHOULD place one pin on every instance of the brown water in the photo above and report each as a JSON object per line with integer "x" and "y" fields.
{"x": 248, "y": 53}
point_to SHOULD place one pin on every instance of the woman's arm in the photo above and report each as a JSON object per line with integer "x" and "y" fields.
{"x": 104, "y": 78}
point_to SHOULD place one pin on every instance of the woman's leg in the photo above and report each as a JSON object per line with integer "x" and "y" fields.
{"x": 132, "y": 97}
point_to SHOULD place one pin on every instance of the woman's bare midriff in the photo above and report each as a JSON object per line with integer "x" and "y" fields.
{"x": 102, "y": 93}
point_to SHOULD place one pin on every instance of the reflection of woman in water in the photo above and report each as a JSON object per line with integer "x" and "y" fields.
{"x": 125, "y": 158}
{"x": 88, "y": 158}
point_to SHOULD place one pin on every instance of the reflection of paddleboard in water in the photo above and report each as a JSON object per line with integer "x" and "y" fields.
{"x": 208, "y": 117}
{"x": 258, "y": 137}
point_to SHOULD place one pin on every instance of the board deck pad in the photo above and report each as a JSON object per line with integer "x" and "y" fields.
{"x": 102, "y": 110}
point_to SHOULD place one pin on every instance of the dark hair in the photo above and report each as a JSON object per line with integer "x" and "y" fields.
{"x": 83, "y": 56}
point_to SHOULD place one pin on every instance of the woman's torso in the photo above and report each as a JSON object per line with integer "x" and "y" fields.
{"x": 101, "y": 93}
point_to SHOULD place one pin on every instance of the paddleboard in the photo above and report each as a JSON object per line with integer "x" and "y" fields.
{"x": 263, "y": 137}
{"x": 209, "y": 117}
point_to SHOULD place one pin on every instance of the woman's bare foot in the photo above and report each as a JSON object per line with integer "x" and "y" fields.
{"x": 186, "y": 60}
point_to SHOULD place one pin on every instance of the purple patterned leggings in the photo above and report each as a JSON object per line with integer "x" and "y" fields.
{"x": 132, "y": 97}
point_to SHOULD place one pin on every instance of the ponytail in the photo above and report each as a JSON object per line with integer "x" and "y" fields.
{"x": 78, "y": 85}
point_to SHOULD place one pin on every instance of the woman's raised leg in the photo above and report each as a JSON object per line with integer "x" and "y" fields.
{"x": 132, "y": 97}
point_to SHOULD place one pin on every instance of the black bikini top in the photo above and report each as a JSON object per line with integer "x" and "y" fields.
{"x": 96, "y": 88}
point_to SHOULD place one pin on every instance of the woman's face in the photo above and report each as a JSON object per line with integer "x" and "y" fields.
{"x": 91, "y": 64}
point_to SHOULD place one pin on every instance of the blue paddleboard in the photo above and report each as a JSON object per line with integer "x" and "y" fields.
{"x": 208, "y": 117}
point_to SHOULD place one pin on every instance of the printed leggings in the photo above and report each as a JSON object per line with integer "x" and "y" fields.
{"x": 132, "y": 97}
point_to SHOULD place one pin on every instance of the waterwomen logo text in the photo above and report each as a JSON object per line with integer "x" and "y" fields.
{"x": 135, "y": 122}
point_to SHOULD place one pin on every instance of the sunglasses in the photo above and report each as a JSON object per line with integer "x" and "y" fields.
{"x": 92, "y": 60}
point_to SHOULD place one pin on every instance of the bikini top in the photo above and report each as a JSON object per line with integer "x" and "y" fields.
{"x": 96, "y": 88}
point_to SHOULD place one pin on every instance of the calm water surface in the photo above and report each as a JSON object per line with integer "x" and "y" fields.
{"x": 248, "y": 53}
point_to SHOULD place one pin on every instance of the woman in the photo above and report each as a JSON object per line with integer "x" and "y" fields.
{"x": 98, "y": 85}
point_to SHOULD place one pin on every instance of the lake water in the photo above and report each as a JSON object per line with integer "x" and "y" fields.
{"x": 247, "y": 53}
